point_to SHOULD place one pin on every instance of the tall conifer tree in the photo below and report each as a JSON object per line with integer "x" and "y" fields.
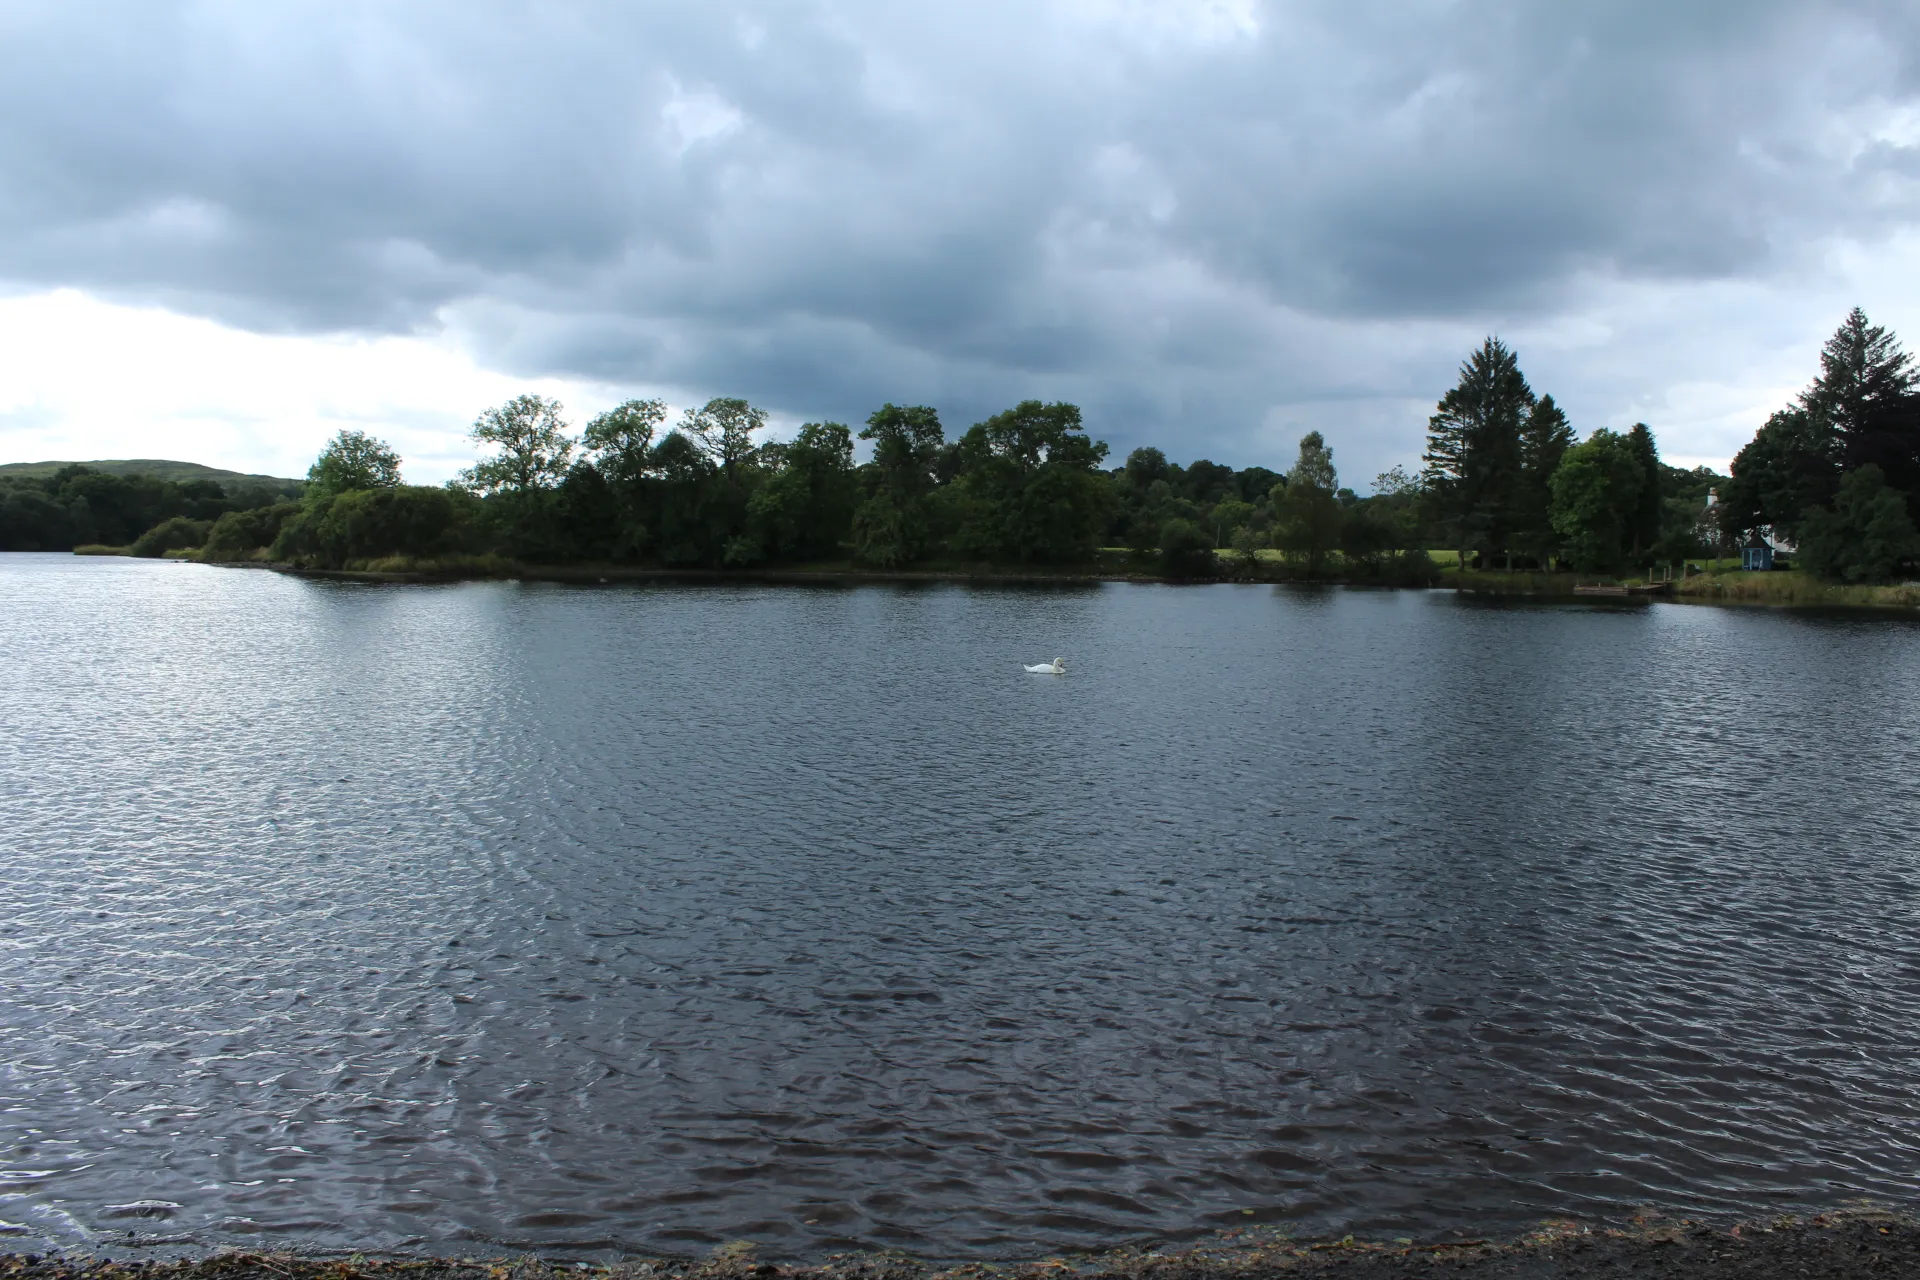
{"x": 1861, "y": 410}
{"x": 1643, "y": 523}
{"x": 1473, "y": 458}
{"x": 1544, "y": 441}
{"x": 1863, "y": 375}
{"x": 1865, "y": 394}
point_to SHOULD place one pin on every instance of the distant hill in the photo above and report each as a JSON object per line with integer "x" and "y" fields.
{"x": 159, "y": 468}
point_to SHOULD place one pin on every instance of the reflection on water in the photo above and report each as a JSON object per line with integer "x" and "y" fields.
{"x": 502, "y": 916}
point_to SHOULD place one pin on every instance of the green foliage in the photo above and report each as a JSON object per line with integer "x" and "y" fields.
{"x": 1863, "y": 373}
{"x": 806, "y": 505}
{"x": 1866, "y": 536}
{"x": 1474, "y": 459}
{"x": 1144, "y": 466}
{"x": 724, "y": 427}
{"x": 1865, "y": 394}
{"x": 1839, "y": 470}
{"x": 1790, "y": 465}
{"x": 1395, "y": 482}
{"x": 1687, "y": 531}
{"x": 1030, "y": 488}
{"x": 32, "y": 521}
{"x": 1314, "y": 467}
{"x": 1186, "y": 551}
{"x": 1643, "y": 525}
{"x": 687, "y": 531}
{"x": 533, "y": 449}
{"x": 1307, "y": 516}
{"x": 1415, "y": 566}
{"x": 1255, "y": 483}
{"x": 353, "y": 460}
{"x": 620, "y": 441}
{"x": 1209, "y": 482}
{"x": 233, "y": 483}
{"x": 595, "y": 518}
{"x": 887, "y": 533}
{"x": 896, "y": 523}
{"x": 1369, "y": 533}
{"x": 238, "y": 534}
{"x": 1148, "y": 491}
{"x": 176, "y": 534}
{"x": 1246, "y": 548}
{"x": 1229, "y": 519}
{"x": 1597, "y": 492}
{"x": 608, "y": 500}
{"x": 1544, "y": 440}
{"x": 74, "y": 505}
{"x": 361, "y": 525}
{"x": 1392, "y": 514}
{"x": 525, "y": 514}
{"x": 1861, "y": 410}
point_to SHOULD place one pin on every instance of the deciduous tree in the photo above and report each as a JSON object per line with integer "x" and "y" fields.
{"x": 725, "y": 428}
{"x": 806, "y": 506}
{"x": 620, "y": 441}
{"x": 894, "y": 524}
{"x": 1030, "y": 485}
{"x": 1306, "y": 513}
{"x": 532, "y": 443}
{"x": 1866, "y": 536}
{"x": 353, "y": 460}
{"x": 1791, "y": 464}
{"x": 1596, "y": 495}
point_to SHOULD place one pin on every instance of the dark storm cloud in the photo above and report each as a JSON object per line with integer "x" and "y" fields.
{"x": 1145, "y": 207}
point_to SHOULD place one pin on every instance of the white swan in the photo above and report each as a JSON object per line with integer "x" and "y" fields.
{"x": 1058, "y": 667}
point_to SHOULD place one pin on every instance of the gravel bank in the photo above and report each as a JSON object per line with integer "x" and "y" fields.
{"x": 1841, "y": 1246}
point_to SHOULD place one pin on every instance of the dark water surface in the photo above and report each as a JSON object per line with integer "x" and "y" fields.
{"x": 505, "y": 916}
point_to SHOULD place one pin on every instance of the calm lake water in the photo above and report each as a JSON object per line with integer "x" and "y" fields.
{"x": 499, "y": 916}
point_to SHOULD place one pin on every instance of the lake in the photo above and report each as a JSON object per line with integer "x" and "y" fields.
{"x": 488, "y": 917}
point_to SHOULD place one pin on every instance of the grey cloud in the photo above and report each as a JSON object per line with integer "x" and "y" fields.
{"x": 828, "y": 205}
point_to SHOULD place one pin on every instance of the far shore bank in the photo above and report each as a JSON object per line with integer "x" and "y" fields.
{"x": 1787, "y": 588}
{"x": 1851, "y": 1245}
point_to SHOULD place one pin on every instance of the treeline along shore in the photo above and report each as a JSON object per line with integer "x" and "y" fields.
{"x": 1506, "y": 496}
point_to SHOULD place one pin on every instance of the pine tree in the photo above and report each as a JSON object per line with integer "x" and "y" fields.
{"x": 1474, "y": 456}
{"x": 1863, "y": 374}
{"x": 1643, "y": 523}
{"x": 1862, "y": 410}
{"x": 1544, "y": 441}
{"x": 1865, "y": 394}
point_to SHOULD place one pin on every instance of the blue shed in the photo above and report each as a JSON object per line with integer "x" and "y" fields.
{"x": 1757, "y": 553}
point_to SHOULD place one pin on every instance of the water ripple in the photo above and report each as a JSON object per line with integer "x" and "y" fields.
{"x": 503, "y": 916}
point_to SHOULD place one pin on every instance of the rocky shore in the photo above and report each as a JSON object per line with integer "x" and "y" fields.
{"x": 1838, "y": 1246}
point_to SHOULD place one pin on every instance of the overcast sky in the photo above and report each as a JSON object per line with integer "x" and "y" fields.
{"x": 228, "y": 228}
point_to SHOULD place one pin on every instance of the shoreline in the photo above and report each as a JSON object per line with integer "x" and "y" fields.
{"x": 1842, "y": 1245}
{"x": 1776, "y": 590}
{"x": 1789, "y": 589}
